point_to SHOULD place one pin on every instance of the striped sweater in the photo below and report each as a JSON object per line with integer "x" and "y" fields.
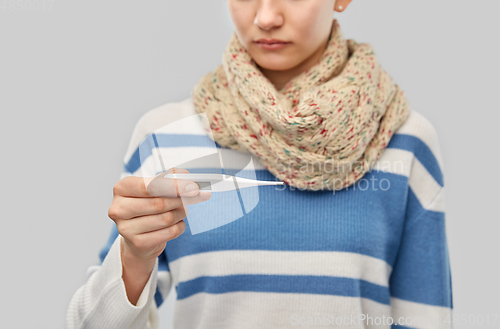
{"x": 368, "y": 256}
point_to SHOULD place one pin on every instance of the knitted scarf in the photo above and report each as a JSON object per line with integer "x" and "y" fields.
{"x": 323, "y": 130}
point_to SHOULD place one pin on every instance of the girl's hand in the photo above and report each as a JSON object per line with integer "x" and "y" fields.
{"x": 148, "y": 212}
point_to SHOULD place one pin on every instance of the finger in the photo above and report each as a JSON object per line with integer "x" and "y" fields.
{"x": 137, "y": 187}
{"x": 151, "y": 223}
{"x": 128, "y": 208}
{"x": 170, "y": 187}
{"x": 152, "y": 239}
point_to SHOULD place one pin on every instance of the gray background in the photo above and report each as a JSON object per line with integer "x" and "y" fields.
{"x": 77, "y": 76}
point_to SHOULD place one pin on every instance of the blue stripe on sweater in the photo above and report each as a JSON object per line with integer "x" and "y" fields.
{"x": 422, "y": 152}
{"x": 158, "y": 297}
{"x": 422, "y": 260}
{"x": 171, "y": 140}
{"x": 112, "y": 237}
{"x": 413, "y": 206}
{"x": 305, "y": 284}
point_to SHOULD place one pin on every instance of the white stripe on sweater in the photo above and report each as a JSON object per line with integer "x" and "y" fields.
{"x": 429, "y": 316}
{"x": 419, "y": 126}
{"x": 424, "y": 186}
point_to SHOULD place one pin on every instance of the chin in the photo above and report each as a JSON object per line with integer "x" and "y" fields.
{"x": 276, "y": 61}
{"x": 273, "y": 62}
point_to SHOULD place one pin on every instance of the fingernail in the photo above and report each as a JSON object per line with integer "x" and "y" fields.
{"x": 191, "y": 188}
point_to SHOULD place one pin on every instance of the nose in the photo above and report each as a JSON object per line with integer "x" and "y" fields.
{"x": 268, "y": 15}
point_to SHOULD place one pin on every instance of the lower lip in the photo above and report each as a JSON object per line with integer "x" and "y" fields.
{"x": 272, "y": 46}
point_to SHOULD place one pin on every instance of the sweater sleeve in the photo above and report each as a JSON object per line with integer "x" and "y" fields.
{"x": 102, "y": 301}
{"x": 420, "y": 283}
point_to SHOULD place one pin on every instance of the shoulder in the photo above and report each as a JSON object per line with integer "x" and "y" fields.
{"x": 419, "y": 136}
{"x": 155, "y": 119}
{"x": 162, "y": 115}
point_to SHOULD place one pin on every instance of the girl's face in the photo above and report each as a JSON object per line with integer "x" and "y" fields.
{"x": 304, "y": 24}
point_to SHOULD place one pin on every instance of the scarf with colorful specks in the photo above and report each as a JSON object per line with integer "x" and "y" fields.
{"x": 324, "y": 129}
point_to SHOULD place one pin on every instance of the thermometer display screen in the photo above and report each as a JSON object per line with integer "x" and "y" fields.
{"x": 204, "y": 185}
